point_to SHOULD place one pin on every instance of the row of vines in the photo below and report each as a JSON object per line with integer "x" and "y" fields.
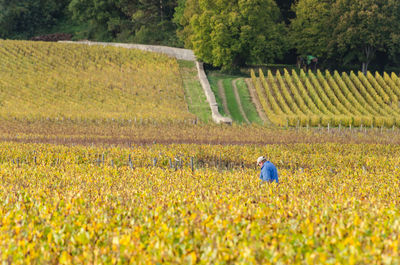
{"x": 326, "y": 99}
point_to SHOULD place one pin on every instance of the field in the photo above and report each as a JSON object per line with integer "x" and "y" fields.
{"x": 335, "y": 204}
{"x": 108, "y": 156}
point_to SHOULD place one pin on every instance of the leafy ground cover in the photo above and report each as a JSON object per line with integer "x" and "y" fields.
{"x": 91, "y": 184}
{"x": 334, "y": 204}
{"x": 195, "y": 97}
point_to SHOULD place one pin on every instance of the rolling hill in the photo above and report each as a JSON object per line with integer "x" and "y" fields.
{"x": 57, "y": 81}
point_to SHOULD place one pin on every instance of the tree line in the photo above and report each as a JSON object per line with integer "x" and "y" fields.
{"x": 225, "y": 33}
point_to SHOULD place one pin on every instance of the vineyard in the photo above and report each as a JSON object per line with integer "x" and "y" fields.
{"x": 64, "y": 82}
{"x": 107, "y": 156}
{"x": 329, "y": 99}
{"x": 69, "y": 205}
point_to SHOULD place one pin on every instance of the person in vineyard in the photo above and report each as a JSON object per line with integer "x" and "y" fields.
{"x": 308, "y": 62}
{"x": 268, "y": 173}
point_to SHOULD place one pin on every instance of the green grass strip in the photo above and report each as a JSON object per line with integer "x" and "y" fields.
{"x": 231, "y": 100}
{"x": 195, "y": 97}
{"x": 213, "y": 79}
{"x": 247, "y": 103}
{"x": 233, "y": 106}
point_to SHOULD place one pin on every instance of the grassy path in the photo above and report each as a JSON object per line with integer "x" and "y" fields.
{"x": 237, "y": 96}
{"x": 194, "y": 94}
{"x": 222, "y": 95}
{"x": 214, "y": 87}
{"x": 233, "y": 105}
{"x": 234, "y": 98}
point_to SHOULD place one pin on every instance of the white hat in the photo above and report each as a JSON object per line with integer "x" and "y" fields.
{"x": 261, "y": 159}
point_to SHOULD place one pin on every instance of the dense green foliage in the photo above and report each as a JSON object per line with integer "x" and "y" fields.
{"x": 347, "y": 30}
{"x": 23, "y": 18}
{"x": 144, "y": 21}
{"x": 366, "y": 26}
{"x": 308, "y": 30}
{"x": 234, "y": 33}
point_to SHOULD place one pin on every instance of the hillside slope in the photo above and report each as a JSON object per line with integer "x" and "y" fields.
{"x": 53, "y": 81}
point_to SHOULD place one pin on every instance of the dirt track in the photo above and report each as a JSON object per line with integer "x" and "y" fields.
{"x": 256, "y": 102}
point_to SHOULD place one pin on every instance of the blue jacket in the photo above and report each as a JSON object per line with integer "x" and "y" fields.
{"x": 269, "y": 172}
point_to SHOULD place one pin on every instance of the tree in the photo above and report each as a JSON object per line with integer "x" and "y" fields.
{"x": 143, "y": 21}
{"x": 346, "y": 30}
{"x": 185, "y": 10}
{"x": 234, "y": 33}
{"x": 105, "y": 17}
{"x": 23, "y": 18}
{"x": 153, "y": 19}
{"x": 311, "y": 30}
{"x": 286, "y": 9}
{"x": 364, "y": 27}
